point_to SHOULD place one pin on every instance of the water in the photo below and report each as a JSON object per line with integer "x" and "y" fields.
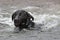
{"x": 45, "y": 13}
{"x": 47, "y": 20}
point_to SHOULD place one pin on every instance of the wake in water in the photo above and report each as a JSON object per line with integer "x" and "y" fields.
{"x": 44, "y": 21}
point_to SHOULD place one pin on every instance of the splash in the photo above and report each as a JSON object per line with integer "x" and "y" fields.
{"x": 47, "y": 21}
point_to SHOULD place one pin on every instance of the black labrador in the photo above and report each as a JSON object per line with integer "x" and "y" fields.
{"x": 22, "y": 19}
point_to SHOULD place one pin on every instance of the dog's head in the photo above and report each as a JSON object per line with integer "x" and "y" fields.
{"x": 19, "y": 16}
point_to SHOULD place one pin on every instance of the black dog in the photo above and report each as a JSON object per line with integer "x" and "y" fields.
{"x": 22, "y": 19}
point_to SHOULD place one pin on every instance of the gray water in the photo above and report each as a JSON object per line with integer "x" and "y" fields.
{"x": 48, "y": 14}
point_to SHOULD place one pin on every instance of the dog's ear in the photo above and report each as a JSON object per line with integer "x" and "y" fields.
{"x": 30, "y": 16}
{"x": 15, "y": 14}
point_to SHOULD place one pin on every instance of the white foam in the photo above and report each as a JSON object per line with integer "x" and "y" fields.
{"x": 31, "y": 7}
{"x": 6, "y": 21}
{"x": 49, "y": 21}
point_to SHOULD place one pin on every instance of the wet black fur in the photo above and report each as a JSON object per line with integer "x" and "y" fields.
{"x": 22, "y": 19}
